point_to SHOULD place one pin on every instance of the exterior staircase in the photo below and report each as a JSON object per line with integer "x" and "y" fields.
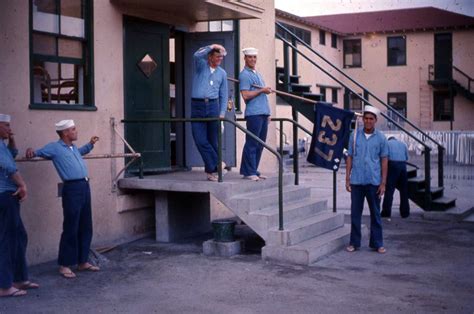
{"x": 298, "y": 89}
{"x": 416, "y": 193}
{"x": 311, "y": 230}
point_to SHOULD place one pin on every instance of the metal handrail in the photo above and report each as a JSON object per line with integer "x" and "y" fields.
{"x": 219, "y": 148}
{"x": 469, "y": 79}
{"x": 427, "y": 148}
{"x": 355, "y": 94}
{"x": 353, "y": 81}
{"x": 295, "y": 141}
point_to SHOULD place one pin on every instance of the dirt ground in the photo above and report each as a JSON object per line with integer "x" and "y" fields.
{"x": 428, "y": 269}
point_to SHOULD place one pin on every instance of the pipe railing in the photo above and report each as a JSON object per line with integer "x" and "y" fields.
{"x": 427, "y": 148}
{"x": 441, "y": 149}
{"x": 468, "y": 78}
{"x": 219, "y": 148}
{"x": 133, "y": 155}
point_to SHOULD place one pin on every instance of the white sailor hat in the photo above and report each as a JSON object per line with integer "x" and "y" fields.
{"x": 250, "y": 51}
{"x": 64, "y": 124}
{"x": 5, "y": 117}
{"x": 372, "y": 110}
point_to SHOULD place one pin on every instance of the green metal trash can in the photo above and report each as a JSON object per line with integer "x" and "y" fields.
{"x": 223, "y": 230}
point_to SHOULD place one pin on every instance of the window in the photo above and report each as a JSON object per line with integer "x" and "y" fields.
{"x": 352, "y": 53}
{"x": 334, "y": 95}
{"x": 396, "y": 50}
{"x": 322, "y": 91}
{"x": 322, "y": 37}
{"x": 355, "y": 104}
{"x": 303, "y": 34}
{"x": 61, "y": 50}
{"x": 399, "y": 102}
{"x": 442, "y": 106}
{"x": 221, "y": 26}
{"x": 334, "y": 40}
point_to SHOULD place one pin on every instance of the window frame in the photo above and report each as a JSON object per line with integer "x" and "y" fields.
{"x": 323, "y": 92}
{"x": 334, "y": 95}
{"x": 397, "y": 95}
{"x": 322, "y": 37}
{"x": 87, "y": 60}
{"x": 438, "y": 117}
{"x": 334, "y": 40}
{"x": 344, "y": 52}
{"x": 294, "y": 29}
{"x": 389, "y": 50}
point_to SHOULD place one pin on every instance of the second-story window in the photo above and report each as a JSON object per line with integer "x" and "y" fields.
{"x": 334, "y": 40}
{"x": 396, "y": 50}
{"x": 322, "y": 37}
{"x": 303, "y": 34}
{"x": 352, "y": 53}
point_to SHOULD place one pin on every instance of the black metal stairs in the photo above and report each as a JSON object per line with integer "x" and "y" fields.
{"x": 416, "y": 193}
{"x": 421, "y": 192}
{"x": 295, "y": 88}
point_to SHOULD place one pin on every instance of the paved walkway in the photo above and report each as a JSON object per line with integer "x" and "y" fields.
{"x": 428, "y": 269}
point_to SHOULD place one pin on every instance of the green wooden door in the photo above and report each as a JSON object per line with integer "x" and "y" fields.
{"x": 146, "y": 91}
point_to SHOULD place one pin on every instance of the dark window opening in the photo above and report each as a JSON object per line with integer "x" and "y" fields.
{"x": 334, "y": 40}
{"x": 442, "y": 106}
{"x": 352, "y": 53}
{"x": 399, "y": 102}
{"x": 322, "y": 37}
{"x": 334, "y": 95}
{"x": 355, "y": 103}
{"x": 322, "y": 91}
{"x": 303, "y": 34}
{"x": 396, "y": 50}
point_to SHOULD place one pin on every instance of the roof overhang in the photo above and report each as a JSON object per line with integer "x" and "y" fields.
{"x": 188, "y": 12}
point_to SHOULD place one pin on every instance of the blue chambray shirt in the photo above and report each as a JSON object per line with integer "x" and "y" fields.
{"x": 7, "y": 168}
{"x": 366, "y": 160}
{"x": 257, "y": 105}
{"x": 397, "y": 151}
{"x": 207, "y": 84}
{"x": 67, "y": 160}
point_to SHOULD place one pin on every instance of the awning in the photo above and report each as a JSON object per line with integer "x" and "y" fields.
{"x": 188, "y": 12}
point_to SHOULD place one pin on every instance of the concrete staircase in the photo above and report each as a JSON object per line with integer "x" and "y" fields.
{"x": 311, "y": 231}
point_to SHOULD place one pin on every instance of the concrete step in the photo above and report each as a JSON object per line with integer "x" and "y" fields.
{"x": 312, "y": 250}
{"x": 269, "y": 217}
{"x": 247, "y": 186}
{"x": 267, "y": 198}
{"x": 302, "y": 230}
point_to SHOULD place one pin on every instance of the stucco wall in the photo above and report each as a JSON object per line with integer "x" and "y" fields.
{"x": 381, "y": 79}
{"x": 412, "y": 78}
{"x": 113, "y": 213}
{"x": 260, "y": 33}
{"x": 117, "y": 216}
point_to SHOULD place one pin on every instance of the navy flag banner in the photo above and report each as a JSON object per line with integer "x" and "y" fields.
{"x": 331, "y": 131}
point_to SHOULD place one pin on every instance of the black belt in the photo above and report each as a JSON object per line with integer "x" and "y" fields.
{"x": 86, "y": 179}
{"x": 204, "y": 99}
